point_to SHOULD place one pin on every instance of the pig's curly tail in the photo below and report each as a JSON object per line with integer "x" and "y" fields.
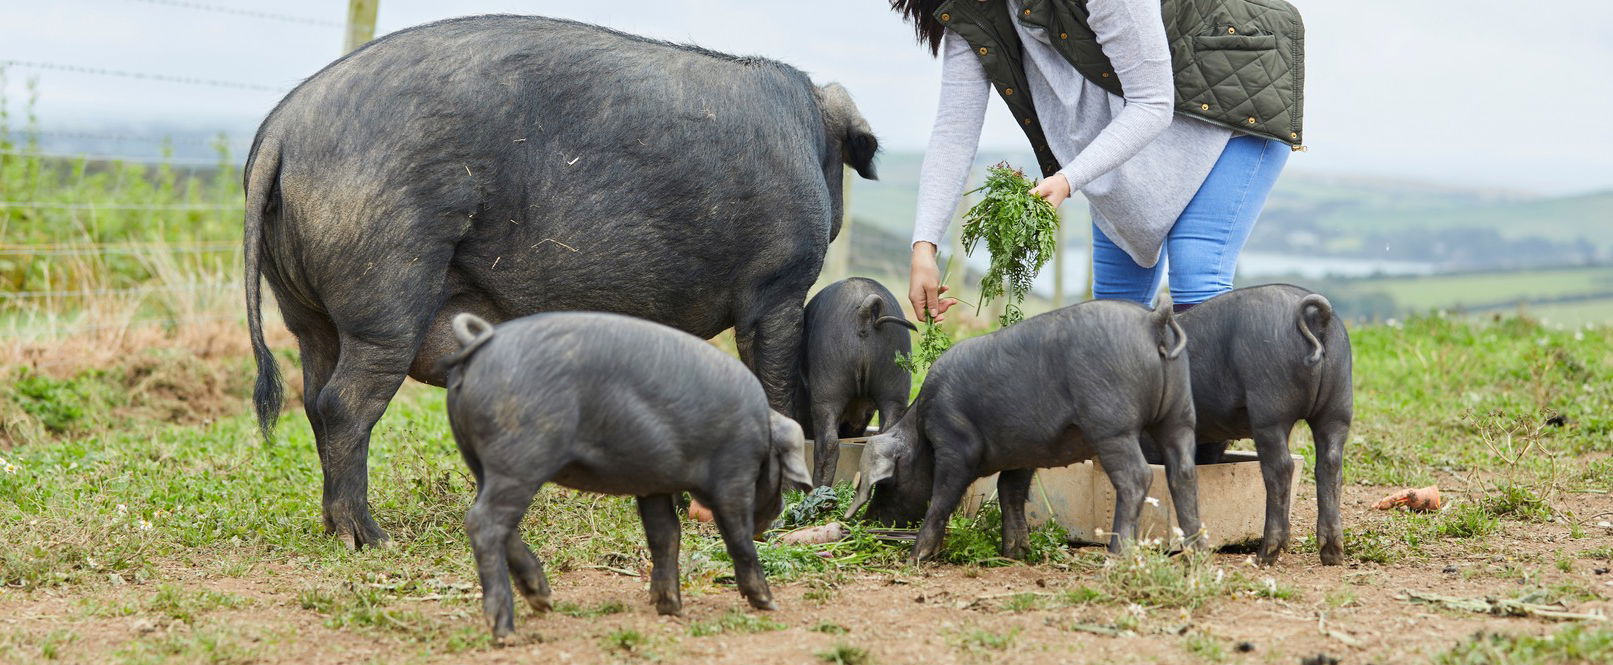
{"x": 1324, "y": 310}
{"x": 472, "y": 331}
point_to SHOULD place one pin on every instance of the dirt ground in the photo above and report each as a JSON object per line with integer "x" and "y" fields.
{"x": 927, "y": 618}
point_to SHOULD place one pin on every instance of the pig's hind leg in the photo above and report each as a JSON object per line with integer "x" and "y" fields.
{"x": 736, "y": 521}
{"x": 1176, "y": 444}
{"x": 662, "y": 531}
{"x": 1122, "y": 460}
{"x": 491, "y": 523}
{"x": 1330, "y": 434}
{"x": 1277, "y": 469}
{"x": 826, "y": 448}
{"x": 1013, "y": 490}
{"x": 527, "y": 570}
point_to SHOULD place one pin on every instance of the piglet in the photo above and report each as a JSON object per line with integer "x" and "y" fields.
{"x": 853, "y": 333}
{"x": 1264, "y": 358}
{"x": 617, "y": 405}
{"x": 1082, "y": 381}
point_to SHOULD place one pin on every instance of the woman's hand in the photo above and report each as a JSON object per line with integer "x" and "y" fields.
{"x": 926, "y": 291}
{"x": 1053, "y": 189}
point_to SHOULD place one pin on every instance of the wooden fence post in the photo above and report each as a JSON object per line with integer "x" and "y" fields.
{"x": 360, "y": 23}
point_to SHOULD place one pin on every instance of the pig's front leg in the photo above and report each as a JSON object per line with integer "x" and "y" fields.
{"x": 1277, "y": 469}
{"x": 662, "y": 531}
{"x": 1013, "y": 491}
{"x": 1123, "y": 462}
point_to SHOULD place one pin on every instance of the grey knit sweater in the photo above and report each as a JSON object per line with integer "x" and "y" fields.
{"x": 1135, "y": 160}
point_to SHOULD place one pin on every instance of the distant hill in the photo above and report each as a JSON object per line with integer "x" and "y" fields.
{"x": 1446, "y": 228}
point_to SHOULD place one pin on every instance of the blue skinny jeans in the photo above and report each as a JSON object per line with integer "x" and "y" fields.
{"x": 1201, "y": 251}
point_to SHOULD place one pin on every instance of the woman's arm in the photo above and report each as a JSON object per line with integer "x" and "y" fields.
{"x": 1132, "y": 35}
{"x": 953, "y": 141}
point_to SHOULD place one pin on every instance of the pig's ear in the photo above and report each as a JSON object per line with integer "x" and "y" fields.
{"x": 868, "y": 314}
{"x": 789, "y": 448}
{"x": 879, "y": 461}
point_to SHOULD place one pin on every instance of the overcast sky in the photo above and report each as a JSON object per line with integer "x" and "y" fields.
{"x": 1492, "y": 92}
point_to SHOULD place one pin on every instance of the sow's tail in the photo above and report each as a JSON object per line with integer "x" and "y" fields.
{"x": 1164, "y": 319}
{"x": 472, "y": 331}
{"x": 868, "y": 313}
{"x": 262, "y": 171}
{"x": 1324, "y": 314}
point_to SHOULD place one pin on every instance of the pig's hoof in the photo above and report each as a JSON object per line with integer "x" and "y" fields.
{"x": 539, "y": 603}
{"x": 669, "y": 608}
{"x": 1017, "y": 552}
{"x": 1332, "y": 555}
{"x": 763, "y": 604}
{"x": 358, "y": 533}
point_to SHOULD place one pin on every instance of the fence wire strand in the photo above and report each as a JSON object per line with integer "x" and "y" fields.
{"x": 145, "y": 76}
{"x": 50, "y": 205}
{"x": 249, "y": 13}
{"x": 155, "y": 160}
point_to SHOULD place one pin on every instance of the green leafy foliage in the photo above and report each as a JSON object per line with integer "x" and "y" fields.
{"x": 1020, "y": 230}
{"x": 932, "y": 343}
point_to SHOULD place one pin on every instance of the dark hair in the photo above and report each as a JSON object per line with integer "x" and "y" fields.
{"x": 922, "y": 14}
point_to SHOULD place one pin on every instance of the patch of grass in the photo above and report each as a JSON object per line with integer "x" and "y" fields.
{"x": 1340, "y": 598}
{"x": 1604, "y": 553}
{"x": 980, "y": 639}
{"x": 735, "y": 621}
{"x": 360, "y": 607}
{"x": 830, "y": 628}
{"x": 1466, "y": 520}
{"x": 1571, "y": 645}
{"x": 183, "y": 605}
{"x": 51, "y": 645}
{"x": 1204, "y": 647}
{"x": 1024, "y": 602}
{"x": 976, "y": 540}
{"x": 1404, "y": 534}
{"x": 1517, "y": 502}
{"x": 845, "y": 654}
{"x": 606, "y": 608}
{"x": 626, "y": 641}
{"x": 214, "y": 647}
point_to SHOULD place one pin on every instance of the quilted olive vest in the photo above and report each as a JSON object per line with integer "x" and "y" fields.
{"x": 1238, "y": 63}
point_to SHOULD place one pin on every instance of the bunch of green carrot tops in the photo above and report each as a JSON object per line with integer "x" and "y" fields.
{"x": 1020, "y": 232}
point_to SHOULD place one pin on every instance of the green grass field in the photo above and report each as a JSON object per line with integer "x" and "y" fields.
{"x": 94, "y": 489}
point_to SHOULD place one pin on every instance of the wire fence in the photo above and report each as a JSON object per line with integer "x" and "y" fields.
{"x": 248, "y": 13}
{"x": 98, "y": 268}
{"x": 146, "y": 76}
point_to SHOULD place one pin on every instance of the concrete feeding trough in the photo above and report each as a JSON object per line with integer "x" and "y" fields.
{"x": 1232, "y": 500}
{"x": 851, "y": 454}
{"x": 1232, "y": 497}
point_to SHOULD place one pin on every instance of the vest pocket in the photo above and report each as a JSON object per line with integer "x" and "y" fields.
{"x": 1235, "y": 42}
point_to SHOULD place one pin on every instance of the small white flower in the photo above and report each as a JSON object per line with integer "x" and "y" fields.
{"x": 1579, "y": 336}
{"x": 1152, "y": 501}
{"x": 1177, "y": 531}
{"x": 10, "y": 468}
{"x": 145, "y": 525}
{"x": 122, "y": 509}
{"x": 1099, "y": 533}
{"x": 1271, "y": 585}
{"x": 1249, "y": 561}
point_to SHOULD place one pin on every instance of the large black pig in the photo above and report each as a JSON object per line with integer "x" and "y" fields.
{"x": 505, "y": 165}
